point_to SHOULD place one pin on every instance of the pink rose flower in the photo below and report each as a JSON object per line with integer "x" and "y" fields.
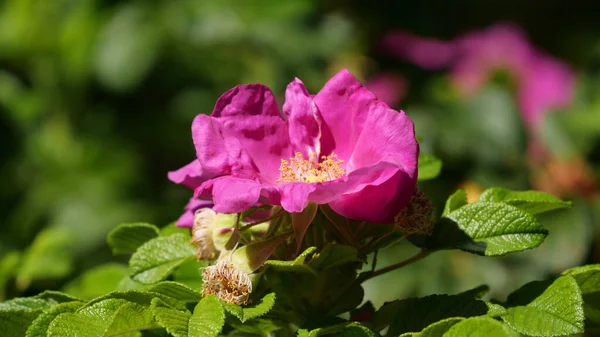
{"x": 543, "y": 83}
{"x": 341, "y": 147}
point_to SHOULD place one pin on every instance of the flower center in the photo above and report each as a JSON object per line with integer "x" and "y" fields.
{"x": 298, "y": 169}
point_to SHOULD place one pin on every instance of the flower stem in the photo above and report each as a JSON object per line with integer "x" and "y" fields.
{"x": 371, "y": 274}
{"x": 252, "y": 224}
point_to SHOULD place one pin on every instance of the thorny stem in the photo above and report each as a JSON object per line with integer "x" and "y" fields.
{"x": 274, "y": 216}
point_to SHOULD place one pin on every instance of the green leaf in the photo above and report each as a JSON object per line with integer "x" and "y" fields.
{"x": 532, "y": 202}
{"x": 352, "y": 329}
{"x": 177, "y": 291}
{"x": 189, "y": 274}
{"x": 588, "y": 279}
{"x": 495, "y": 310}
{"x": 157, "y": 258}
{"x": 171, "y": 229}
{"x": 429, "y": 166}
{"x": 143, "y": 298}
{"x": 479, "y": 326}
{"x": 126, "y": 238}
{"x": 72, "y": 324}
{"x": 334, "y": 255}
{"x": 301, "y": 221}
{"x": 457, "y": 200}
{"x": 249, "y": 312}
{"x": 436, "y": 329}
{"x": 208, "y": 318}
{"x": 40, "y": 326}
{"x": 17, "y": 314}
{"x": 173, "y": 320}
{"x": 557, "y": 311}
{"x": 257, "y": 326}
{"x": 488, "y": 229}
{"x": 297, "y": 265}
{"x": 415, "y": 314}
{"x": 98, "y": 281}
{"x": 252, "y": 256}
{"x": 48, "y": 257}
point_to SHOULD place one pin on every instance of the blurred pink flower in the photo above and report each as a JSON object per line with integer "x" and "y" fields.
{"x": 341, "y": 147}
{"x": 543, "y": 83}
{"x": 390, "y": 88}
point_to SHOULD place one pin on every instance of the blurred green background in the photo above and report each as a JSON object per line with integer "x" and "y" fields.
{"x": 97, "y": 98}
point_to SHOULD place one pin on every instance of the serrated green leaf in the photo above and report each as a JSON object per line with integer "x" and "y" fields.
{"x": 352, "y": 329}
{"x": 72, "y": 324}
{"x": 479, "y": 326}
{"x": 488, "y": 229}
{"x": 129, "y": 319}
{"x": 40, "y": 326}
{"x": 55, "y": 297}
{"x": 173, "y": 320}
{"x": 558, "y": 311}
{"x": 532, "y": 202}
{"x": 495, "y": 310}
{"x": 208, "y": 318}
{"x": 157, "y": 258}
{"x": 436, "y": 329}
{"x": 17, "y": 314}
{"x": 143, "y": 298}
{"x": 334, "y": 255}
{"x": 415, "y": 314}
{"x": 429, "y": 166}
{"x": 297, "y": 265}
{"x": 249, "y": 312}
{"x": 457, "y": 200}
{"x": 98, "y": 281}
{"x": 588, "y": 279}
{"x": 126, "y": 238}
{"x": 177, "y": 291}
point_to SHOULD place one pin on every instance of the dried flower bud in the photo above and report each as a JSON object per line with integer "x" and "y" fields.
{"x": 204, "y": 220}
{"x": 416, "y": 217}
{"x": 227, "y": 282}
{"x": 211, "y": 232}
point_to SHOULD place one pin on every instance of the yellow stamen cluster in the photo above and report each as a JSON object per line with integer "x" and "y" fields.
{"x": 298, "y": 169}
{"x": 227, "y": 282}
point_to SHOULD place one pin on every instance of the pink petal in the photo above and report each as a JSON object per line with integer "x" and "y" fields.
{"x": 187, "y": 218}
{"x": 190, "y": 175}
{"x": 377, "y": 203}
{"x": 233, "y": 195}
{"x": 304, "y": 119}
{"x": 344, "y": 105}
{"x": 245, "y": 136}
{"x": 388, "y": 136}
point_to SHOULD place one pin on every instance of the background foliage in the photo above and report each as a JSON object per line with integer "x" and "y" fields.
{"x": 96, "y": 100}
